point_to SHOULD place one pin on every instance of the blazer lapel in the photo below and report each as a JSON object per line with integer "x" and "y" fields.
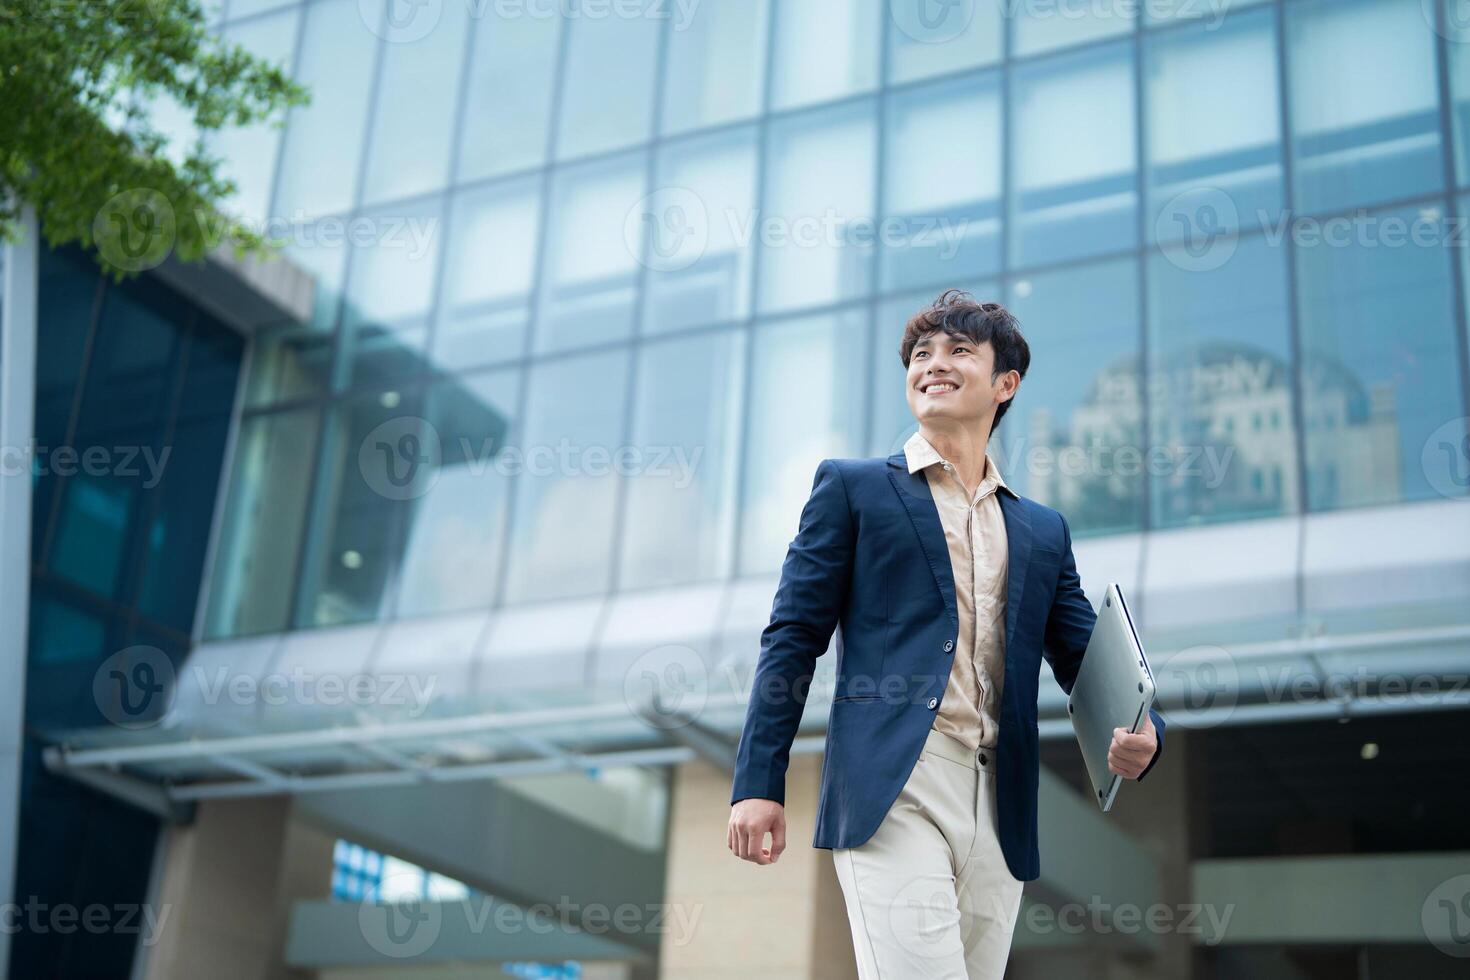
{"x": 913, "y": 491}
{"x": 1018, "y": 548}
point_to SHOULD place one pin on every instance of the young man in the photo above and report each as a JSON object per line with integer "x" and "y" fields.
{"x": 946, "y": 588}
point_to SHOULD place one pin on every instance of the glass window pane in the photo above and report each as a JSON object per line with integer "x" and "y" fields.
{"x": 936, "y": 39}
{"x": 607, "y": 94}
{"x": 716, "y": 64}
{"x": 942, "y": 184}
{"x": 824, "y": 50}
{"x": 812, "y": 369}
{"x": 1364, "y": 102}
{"x": 418, "y": 93}
{"x": 244, "y": 8}
{"x": 679, "y": 526}
{"x": 511, "y": 87}
{"x": 566, "y": 478}
{"x": 318, "y": 172}
{"x": 591, "y": 277}
{"x": 1214, "y": 12}
{"x": 389, "y": 288}
{"x": 696, "y": 228}
{"x": 264, "y": 519}
{"x": 1068, "y": 204}
{"x": 1379, "y": 358}
{"x": 1220, "y": 386}
{"x": 1055, "y": 24}
{"x": 816, "y": 230}
{"x": 1214, "y": 127}
{"x": 249, "y": 152}
{"x": 453, "y": 544}
{"x": 1073, "y": 439}
{"x": 377, "y": 455}
{"x": 489, "y": 269}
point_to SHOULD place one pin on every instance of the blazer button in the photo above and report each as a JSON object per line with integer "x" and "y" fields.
{"x": 933, "y": 703}
{"x": 948, "y": 645}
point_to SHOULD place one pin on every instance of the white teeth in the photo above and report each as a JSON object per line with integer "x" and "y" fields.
{"x": 939, "y": 387}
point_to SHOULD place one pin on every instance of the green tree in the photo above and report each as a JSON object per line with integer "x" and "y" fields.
{"x": 78, "y": 79}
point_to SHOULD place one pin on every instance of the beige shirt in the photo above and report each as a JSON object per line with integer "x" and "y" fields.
{"x": 975, "y": 531}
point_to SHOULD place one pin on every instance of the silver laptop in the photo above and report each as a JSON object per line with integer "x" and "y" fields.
{"x": 1113, "y": 689}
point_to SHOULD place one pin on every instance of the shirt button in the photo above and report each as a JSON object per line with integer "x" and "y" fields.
{"x": 933, "y": 703}
{"x": 948, "y": 645}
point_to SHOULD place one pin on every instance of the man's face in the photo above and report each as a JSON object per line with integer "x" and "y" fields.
{"x": 949, "y": 378}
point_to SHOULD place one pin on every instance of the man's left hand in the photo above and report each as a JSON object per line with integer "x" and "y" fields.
{"x": 1130, "y": 752}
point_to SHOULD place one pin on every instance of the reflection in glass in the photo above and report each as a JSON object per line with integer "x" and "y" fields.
{"x": 816, "y": 232}
{"x": 417, "y": 91}
{"x": 489, "y": 268}
{"x": 318, "y": 172}
{"x": 1220, "y": 399}
{"x": 453, "y": 544}
{"x": 716, "y": 64}
{"x": 824, "y": 49}
{"x": 607, "y": 94}
{"x": 1038, "y": 27}
{"x": 389, "y": 288}
{"x": 511, "y": 86}
{"x": 1379, "y": 356}
{"x": 255, "y": 562}
{"x": 679, "y": 525}
{"x": 1069, "y": 204}
{"x": 591, "y": 276}
{"x": 1074, "y": 439}
{"x": 376, "y": 453}
{"x": 942, "y": 186}
{"x": 249, "y": 152}
{"x": 696, "y": 229}
{"x": 807, "y": 399}
{"x": 926, "y": 40}
{"x": 565, "y": 487}
{"x": 1214, "y": 128}
{"x": 1364, "y": 102}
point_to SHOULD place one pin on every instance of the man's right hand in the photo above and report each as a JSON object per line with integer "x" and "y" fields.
{"x": 750, "y": 820}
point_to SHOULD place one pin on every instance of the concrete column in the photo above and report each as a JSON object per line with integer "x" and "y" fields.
{"x": 1158, "y": 816}
{"x": 785, "y": 921}
{"x": 228, "y": 884}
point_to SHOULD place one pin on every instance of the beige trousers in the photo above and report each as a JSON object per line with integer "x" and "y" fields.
{"x": 929, "y": 895}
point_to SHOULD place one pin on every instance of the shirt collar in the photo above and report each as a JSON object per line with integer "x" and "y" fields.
{"x": 920, "y": 452}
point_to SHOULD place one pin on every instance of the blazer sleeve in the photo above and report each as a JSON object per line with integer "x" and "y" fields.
{"x": 808, "y": 603}
{"x": 1069, "y": 627}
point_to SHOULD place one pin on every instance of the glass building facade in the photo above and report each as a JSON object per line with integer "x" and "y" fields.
{"x": 144, "y": 380}
{"x": 664, "y": 234}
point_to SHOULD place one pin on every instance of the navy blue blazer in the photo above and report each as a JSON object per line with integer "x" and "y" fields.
{"x": 870, "y": 560}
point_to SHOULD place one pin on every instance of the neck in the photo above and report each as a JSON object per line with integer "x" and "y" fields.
{"x": 961, "y": 441}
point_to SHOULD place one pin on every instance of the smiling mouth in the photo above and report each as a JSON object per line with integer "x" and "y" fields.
{"x": 939, "y": 388}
